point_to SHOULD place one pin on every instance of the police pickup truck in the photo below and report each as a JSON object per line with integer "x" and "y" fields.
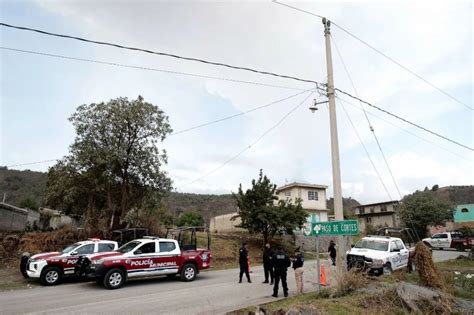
{"x": 141, "y": 258}
{"x": 378, "y": 254}
{"x": 52, "y": 267}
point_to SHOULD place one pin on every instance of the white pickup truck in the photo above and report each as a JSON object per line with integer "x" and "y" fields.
{"x": 442, "y": 240}
{"x": 379, "y": 255}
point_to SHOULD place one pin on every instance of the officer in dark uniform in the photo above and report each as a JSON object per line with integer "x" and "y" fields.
{"x": 267, "y": 263}
{"x": 281, "y": 262}
{"x": 244, "y": 263}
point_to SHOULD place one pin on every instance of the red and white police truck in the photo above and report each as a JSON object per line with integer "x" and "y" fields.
{"x": 146, "y": 257}
{"x": 52, "y": 267}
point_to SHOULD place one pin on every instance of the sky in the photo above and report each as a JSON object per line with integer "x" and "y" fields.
{"x": 432, "y": 38}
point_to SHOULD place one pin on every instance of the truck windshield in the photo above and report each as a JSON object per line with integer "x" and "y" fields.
{"x": 129, "y": 246}
{"x": 372, "y": 244}
{"x": 70, "y": 248}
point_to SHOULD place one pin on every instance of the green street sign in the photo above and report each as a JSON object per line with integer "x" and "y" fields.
{"x": 347, "y": 227}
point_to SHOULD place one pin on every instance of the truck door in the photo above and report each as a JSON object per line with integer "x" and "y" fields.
{"x": 142, "y": 263}
{"x": 394, "y": 255}
{"x": 444, "y": 240}
{"x": 404, "y": 254}
{"x": 167, "y": 260}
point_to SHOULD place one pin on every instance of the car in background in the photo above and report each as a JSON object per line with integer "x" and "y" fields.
{"x": 378, "y": 255}
{"x": 445, "y": 240}
{"x": 51, "y": 268}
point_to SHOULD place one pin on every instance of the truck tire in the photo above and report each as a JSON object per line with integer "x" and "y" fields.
{"x": 188, "y": 273}
{"x": 460, "y": 247}
{"x": 387, "y": 269}
{"x": 24, "y": 265}
{"x": 114, "y": 279}
{"x": 51, "y": 275}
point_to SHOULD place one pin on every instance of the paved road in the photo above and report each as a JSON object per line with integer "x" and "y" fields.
{"x": 213, "y": 292}
{"x": 447, "y": 254}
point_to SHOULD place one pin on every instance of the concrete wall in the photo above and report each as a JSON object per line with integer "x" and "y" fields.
{"x": 464, "y": 213}
{"x": 224, "y": 224}
{"x": 12, "y": 218}
{"x": 33, "y": 216}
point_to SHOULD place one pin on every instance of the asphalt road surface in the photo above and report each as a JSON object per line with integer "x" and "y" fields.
{"x": 213, "y": 292}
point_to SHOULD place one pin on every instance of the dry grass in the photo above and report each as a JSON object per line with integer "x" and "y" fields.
{"x": 427, "y": 271}
{"x": 349, "y": 282}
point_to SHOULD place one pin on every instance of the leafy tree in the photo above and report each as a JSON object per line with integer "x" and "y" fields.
{"x": 28, "y": 203}
{"x": 114, "y": 164}
{"x": 259, "y": 213}
{"x": 421, "y": 209}
{"x": 190, "y": 218}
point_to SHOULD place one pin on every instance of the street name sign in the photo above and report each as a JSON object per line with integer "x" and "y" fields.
{"x": 346, "y": 227}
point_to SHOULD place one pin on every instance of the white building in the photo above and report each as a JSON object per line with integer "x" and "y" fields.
{"x": 313, "y": 198}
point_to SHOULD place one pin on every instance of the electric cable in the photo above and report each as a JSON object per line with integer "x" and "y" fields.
{"x": 249, "y": 146}
{"x": 382, "y": 54}
{"x": 220, "y": 64}
{"x": 148, "y": 68}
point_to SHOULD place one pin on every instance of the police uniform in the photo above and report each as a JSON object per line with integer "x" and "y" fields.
{"x": 267, "y": 264}
{"x": 281, "y": 262}
{"x": 244, "y": 264}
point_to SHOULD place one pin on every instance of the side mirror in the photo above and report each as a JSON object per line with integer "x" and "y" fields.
{"x": 137, "y": 252}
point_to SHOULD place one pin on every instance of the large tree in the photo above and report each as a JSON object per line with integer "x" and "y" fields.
{"x": 422, "y": 209}
{"x": 114, "y": 164}
{"x": 260, "y": 214}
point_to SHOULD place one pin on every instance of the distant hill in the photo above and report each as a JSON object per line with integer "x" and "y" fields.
{"x": 19, "y": 185}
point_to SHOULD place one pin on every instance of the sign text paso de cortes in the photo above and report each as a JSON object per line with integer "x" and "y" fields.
{"x": 347, "y": 227}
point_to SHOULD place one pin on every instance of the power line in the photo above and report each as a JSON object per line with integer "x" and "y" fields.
{"x": 198, "y": 126}
{"x": 383, "y": 54}
{"x": 31, "y": 163}
{"x": 239, "y": 114}
{"x": 367, "y": 152}
{"x": 404, "y": 120}
{"x": 403, "y": 129}
{"x": 250, "y": 145}
{"x": 220, "y": 64}
{"x": 147, "y": 68}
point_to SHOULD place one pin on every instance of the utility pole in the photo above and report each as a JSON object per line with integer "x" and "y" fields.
{"x": 336, "y": 170}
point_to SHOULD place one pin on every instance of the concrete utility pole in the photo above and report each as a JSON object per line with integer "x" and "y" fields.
{"x": 336, "y": 170}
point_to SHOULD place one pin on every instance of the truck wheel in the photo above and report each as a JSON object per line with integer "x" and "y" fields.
{"x": 460, "y": 247}
{"x": 188, "y": 273}
{"x": 51, "y": 275}
{"x": 387, "y": 269}
{"x": 24, "y": 265}
{"x": 114, "y": 279}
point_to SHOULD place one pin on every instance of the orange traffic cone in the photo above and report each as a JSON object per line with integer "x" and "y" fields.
{"x": 322, "y": 276}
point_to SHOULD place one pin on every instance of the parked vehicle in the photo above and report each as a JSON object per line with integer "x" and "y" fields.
{"x": 378, "y": 255}
{"x": 441, "y": 240}
{"x": 449, "y": 240}
{"x": 149, "y": 257}
{"x": 52, "y": 267}
{"x": 409, "y": 238}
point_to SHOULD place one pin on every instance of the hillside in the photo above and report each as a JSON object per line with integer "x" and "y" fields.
{"x": 19, "y": 185}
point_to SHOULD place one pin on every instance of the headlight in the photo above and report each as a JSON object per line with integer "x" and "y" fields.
{"x": 36, "y": 259}
{"x": 97, "y": 261}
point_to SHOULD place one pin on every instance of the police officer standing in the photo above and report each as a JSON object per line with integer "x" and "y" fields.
{"x": 243, "y": 262}
{"x": 267, "y": 263}
{"x": 281, "y": 262}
